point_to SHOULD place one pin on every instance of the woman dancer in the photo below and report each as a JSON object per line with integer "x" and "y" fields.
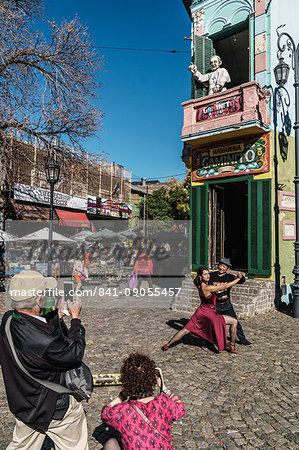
{"x": 143, "y": 420}
{"x": 205, "y": 322}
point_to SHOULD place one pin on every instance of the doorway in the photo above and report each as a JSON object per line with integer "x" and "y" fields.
{"x": 228, "y": 224}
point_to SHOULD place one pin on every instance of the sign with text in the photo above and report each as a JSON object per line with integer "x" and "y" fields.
{"x": 288, "y": 230}
{"x": 218, "y": 109}
{"x": 231, "y": 159}
{"x": 287, "y": 201}
{"x": 33, "y": 194}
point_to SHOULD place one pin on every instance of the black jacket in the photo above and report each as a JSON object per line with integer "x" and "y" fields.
{"x": 224, "y": 295}
{"x": 46, "y": 353}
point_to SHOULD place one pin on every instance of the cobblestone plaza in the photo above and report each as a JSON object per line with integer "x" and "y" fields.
{"x": 243, "y": 401}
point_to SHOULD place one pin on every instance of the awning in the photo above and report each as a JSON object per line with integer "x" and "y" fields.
{"x": 72, "y": 219}
{"x": 31, "y": 212}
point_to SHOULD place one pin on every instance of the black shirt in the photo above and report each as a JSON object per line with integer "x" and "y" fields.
{"x": 223, "y": 295}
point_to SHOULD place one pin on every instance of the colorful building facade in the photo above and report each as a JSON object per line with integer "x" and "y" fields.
{"x": 239, "y": 142}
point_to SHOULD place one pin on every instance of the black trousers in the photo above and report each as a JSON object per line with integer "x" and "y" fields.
{"x": 227, "y": 309}
{"x": 148, "y": 278}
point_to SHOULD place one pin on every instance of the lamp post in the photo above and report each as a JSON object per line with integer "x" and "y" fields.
{"x": 281, "y": 72}
{"x": 52, "y": 170}
{"x": 145, "y": 207}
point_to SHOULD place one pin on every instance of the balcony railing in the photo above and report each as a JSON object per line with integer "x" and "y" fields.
{"x": 243, "y": 106}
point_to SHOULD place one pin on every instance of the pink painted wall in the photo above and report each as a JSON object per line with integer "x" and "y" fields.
{"x": 254, "y": 107}
{"x": 260, "y": 62}
{"x": 260, "y": 7}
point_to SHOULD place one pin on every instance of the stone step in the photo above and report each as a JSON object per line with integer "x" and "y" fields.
{"x": 248, "y": 299}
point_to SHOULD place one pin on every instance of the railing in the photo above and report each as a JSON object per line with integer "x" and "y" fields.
{"x": 238, "y": 105}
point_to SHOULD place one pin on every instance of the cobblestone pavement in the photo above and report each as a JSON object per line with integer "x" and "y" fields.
{"x": 243, "y": 401}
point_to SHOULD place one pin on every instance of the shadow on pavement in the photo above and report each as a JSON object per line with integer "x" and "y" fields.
{"x": 178, "y": 324}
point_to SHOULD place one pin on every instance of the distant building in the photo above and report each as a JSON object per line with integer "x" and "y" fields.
{"x": 151, "y": 185}
{"x": 88, "y": 187}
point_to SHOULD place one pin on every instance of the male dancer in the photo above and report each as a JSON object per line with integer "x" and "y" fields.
{"x": 223, "y": 303}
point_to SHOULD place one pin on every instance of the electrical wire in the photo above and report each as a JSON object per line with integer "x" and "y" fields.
{"x": 145, "y": 49}
{"x": 156, "y": 178}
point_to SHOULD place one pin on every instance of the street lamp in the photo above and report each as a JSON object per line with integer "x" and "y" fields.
{"x": 281, "y": 73}
{"x": 52, "y": 170}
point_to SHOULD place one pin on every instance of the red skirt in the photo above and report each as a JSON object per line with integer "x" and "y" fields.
{"x": 209, "y": 325}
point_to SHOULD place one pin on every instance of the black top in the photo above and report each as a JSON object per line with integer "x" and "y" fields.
{"x": 224, "y": 295}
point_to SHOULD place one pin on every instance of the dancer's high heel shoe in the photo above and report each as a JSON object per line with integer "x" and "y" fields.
{"x": 165, "y": 347}
{"x": 231, "y": 348}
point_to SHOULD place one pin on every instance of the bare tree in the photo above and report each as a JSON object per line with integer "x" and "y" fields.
{"x": 48, "y": 86}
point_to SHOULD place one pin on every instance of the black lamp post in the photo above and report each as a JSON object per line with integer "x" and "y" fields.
{"x": 52, "y": 170}
{"x": 281, "y": 73}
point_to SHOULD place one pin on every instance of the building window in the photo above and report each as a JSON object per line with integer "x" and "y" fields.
{"x": 233, "y": 48}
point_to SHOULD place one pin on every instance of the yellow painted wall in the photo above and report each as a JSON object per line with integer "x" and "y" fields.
{"x": 286, "y": 173}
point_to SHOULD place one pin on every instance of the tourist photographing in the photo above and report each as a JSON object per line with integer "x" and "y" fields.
{"x": 143, "y": 419}
{"x": 46, "y": 354}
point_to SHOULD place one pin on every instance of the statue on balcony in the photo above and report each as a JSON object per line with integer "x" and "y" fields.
{"x": 217, "y": 79}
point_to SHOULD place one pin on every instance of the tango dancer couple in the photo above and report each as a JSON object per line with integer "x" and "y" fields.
{"x": 215, "y": 311}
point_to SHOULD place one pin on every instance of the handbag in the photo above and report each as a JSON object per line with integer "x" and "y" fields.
{"x": 132, "y": 282}
{"x": 79, "y": 381}
{"x": 143, "y": 416}
{"x": 102, "y": 433}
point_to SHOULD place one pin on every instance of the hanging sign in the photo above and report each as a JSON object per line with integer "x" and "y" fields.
{"x": 225, "y": 108}
{"x": 33, "y": 194}
{"x": 231, "y": 159}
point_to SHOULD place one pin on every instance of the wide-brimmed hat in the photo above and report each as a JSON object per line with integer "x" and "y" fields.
{"x": 29, "y": 284}
{"x": 225, "y": 261}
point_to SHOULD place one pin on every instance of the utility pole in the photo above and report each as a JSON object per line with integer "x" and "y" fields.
{"x": 143, "y": 183}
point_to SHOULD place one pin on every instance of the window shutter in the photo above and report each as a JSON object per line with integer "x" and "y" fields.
{"x": 199, "y": 226}
{"x": 203, "y": 51}
{"x": 259, "y": 227}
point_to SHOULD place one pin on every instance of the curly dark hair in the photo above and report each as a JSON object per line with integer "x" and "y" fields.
{"x": 198, "y": 279}
{"x": 138, "y": 376}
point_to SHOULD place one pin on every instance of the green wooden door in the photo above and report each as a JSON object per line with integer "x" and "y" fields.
{"x": 199, "y": 226}
{"x": 203, "y": 51}
{"x": 259, "y": 227}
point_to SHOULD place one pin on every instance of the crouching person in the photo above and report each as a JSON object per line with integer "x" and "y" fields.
{"x": 142, "y": 419}
{"x": 46, "y": 354}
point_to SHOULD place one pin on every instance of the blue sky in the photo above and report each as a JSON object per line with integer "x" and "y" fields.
{"x": 141, "y": 92}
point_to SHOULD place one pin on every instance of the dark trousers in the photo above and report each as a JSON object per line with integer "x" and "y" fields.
{"x": 48, "y": 444}
{"x": 227, "y": 309}
{"x": 148, "y": 278}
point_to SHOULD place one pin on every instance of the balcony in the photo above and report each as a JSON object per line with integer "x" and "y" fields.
{"x": 239, "y": 111}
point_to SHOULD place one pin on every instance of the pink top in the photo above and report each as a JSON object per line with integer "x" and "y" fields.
{"x": 136, "y": 433}
{"x": 79, "y": 266}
